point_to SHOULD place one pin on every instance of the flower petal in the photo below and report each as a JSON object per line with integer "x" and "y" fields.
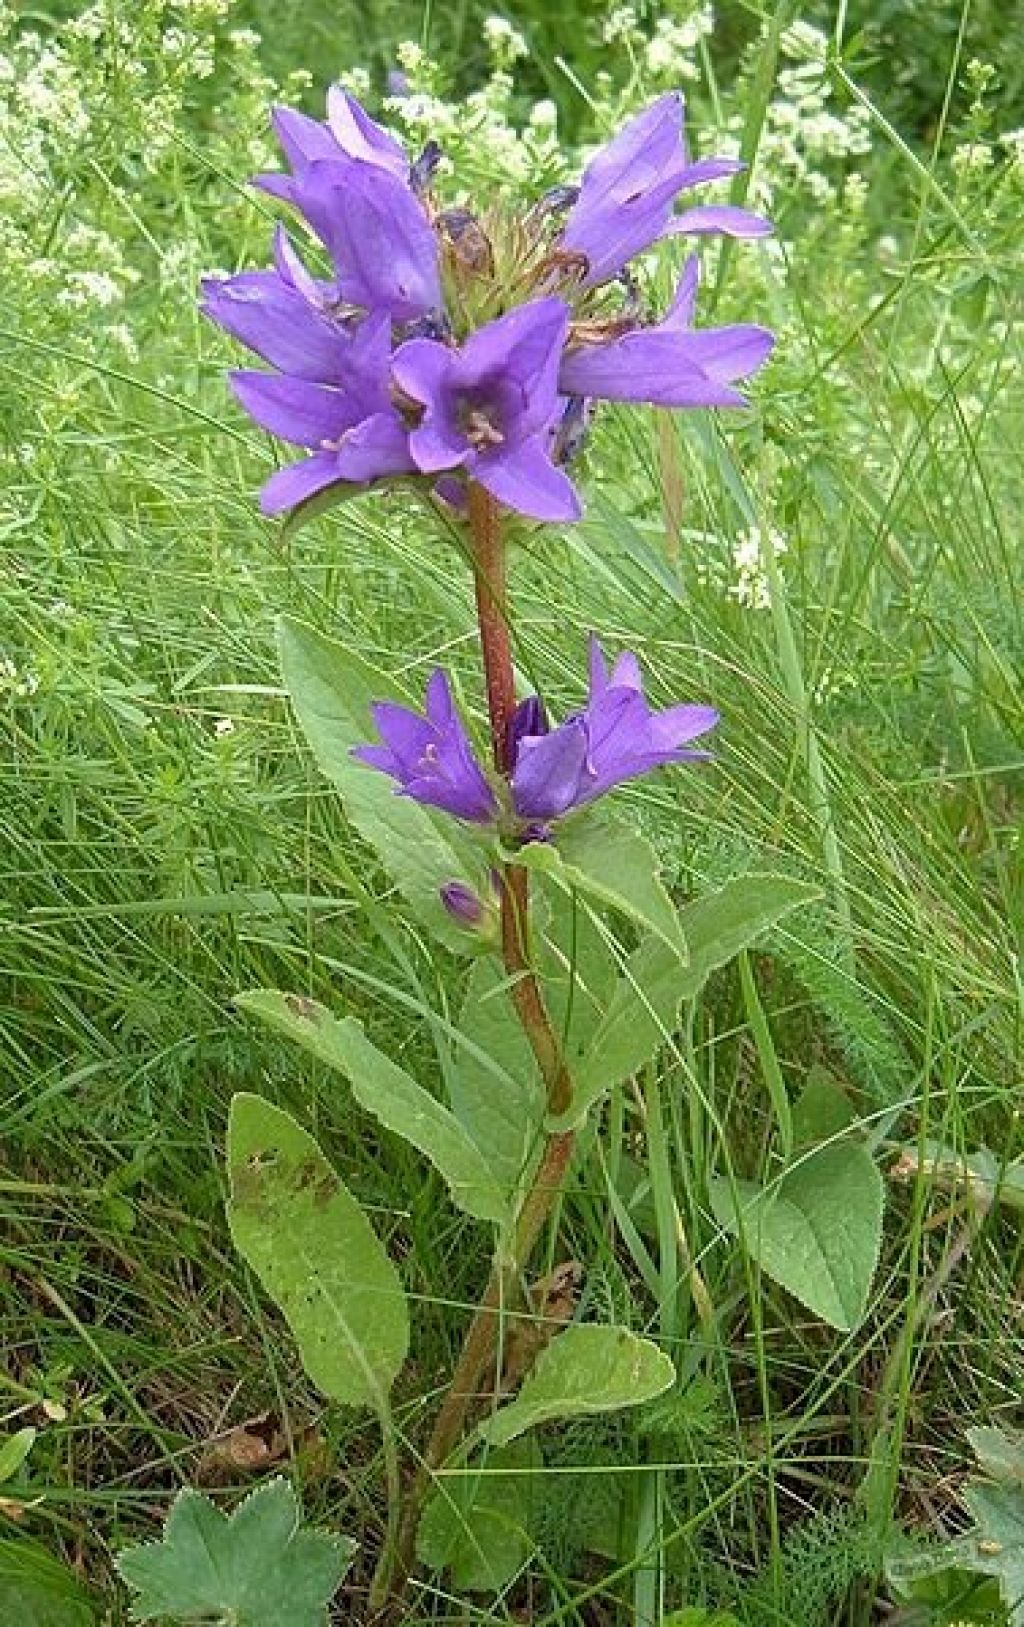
{"x": 278, "y": 323}
{"x": 547, "y": 773}
{"x": 719, "y": 218}
{"x": 298, "y": 481}
{"x": 294, "y": 409}
{"x": 378, "y": 235}
{"x": 524, "y": 478}
{"x": 360, "y": 137}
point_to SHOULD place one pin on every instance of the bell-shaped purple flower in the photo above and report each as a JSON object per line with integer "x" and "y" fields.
{"x": 670, "y": 364}
{"x": 351, "y": 426}
{"x": 351, "y": 180}
{"x": 284, "y": 315}
{"x": 628, "y": 190}
{"x": 616, "y": 737}
{"x": 431, "y": 756}
{"x": 488, "y": 407}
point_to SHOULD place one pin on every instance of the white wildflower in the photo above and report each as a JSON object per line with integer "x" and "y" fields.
{"x": 223, "y": 727}
{"x": 972, "y": 158}
{"x": 751, "y": 585}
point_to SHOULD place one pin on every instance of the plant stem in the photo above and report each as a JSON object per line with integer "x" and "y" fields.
{"x": 506, "y": 1279}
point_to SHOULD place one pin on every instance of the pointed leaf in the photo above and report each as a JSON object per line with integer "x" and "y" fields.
{"x": 816, "y": 1232}
{"x": 645, "y": 1007}
{"x": 308, "y": 1241}
{"x": 38, "y": 1590}
{"x": 587, "y": 1369}
{"x": 388, "y": 1092}
{"x": 615, "y": 865}
{"x": 332, "y": 690}
{"x": 258, "y": 1568}
{"x": 14, "y": 1449}
{"x": 477, "y": 1524}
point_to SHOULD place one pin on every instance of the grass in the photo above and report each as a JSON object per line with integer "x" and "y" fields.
{"x": 157, "y": 861}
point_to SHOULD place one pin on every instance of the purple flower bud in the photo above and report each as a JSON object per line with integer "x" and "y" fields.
{"x": 422, "y": 172}
{"x": 462, "y": 902}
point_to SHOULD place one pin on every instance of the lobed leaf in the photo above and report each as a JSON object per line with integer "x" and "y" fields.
{"x": 258, "y": 1567}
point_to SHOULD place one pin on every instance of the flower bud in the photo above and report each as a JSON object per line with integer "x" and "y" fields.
{"x": 463, "y": 903}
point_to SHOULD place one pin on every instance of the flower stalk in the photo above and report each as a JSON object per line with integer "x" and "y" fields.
{"x": 505, "y": 1285}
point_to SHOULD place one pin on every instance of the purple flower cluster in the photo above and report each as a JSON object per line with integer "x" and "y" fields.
{"x": 616, "y": 737}
{"x": 413, "y": 360}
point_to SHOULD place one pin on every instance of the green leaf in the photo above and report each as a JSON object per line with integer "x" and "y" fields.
{"x": 822, "y": 1111}
{"x": 477, "y": 1524}
{"x": 999, "y": 1513}
{"x": 38, "y": 1590}
{"x": 311, "y": 1246}
{"x": 587, "y": 1369}
{"x": 1000, "y": 1453}
{"x": 645, "y": 1006}
{"x": 387, "y": 1091}
{"x": 816, "y": 1232}
{"x": 258, "y": 1568}
{"x": 332, "y": 690}
{"x": 14, "y": 1450}
{"x": 615, "y": 865}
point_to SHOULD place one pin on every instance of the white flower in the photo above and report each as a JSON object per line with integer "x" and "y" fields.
{"x": 751, "y": 585}
{"x": 972, "y": 158}
{"x": 223, "y": 727}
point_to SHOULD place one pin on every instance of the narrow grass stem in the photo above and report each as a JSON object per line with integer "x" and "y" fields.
{"x": 796, "y": 688}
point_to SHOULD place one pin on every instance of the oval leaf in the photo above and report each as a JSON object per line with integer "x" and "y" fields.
{"x": 308, "y": 1241}
{"x": 816, "y": 1232}
{"x": 587, "y": 1369}
{"x": 332, "y": 690}
{"x": 388, "y": 1092}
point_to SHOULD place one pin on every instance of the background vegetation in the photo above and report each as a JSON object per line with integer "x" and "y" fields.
{"x": 842, "y": 564}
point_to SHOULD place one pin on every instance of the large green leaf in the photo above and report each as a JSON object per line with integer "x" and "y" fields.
{"x": 38, "y": 1590}
{"x": 332, "y": 690}
{"x": 645, "y": 1006}
{"x": 615, "y": 865}
{"x": 258, "y": 1568}
{"x": 477, "y": 1524}
{"x": 387, "y": 1091}
{"x": 816, "y": 1232}
{"x": 312, "y": 1248}
{"x": 585, "y": 1370}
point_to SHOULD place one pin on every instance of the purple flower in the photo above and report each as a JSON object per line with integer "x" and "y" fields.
{"x": 488, "y": 407}
{"x": 431, "y": 756}
{"x": 670, "y": 364}
{"x": 615, "y": 738}
{"x": 283, "y": 315}
{"x": 351, "y": 426}
{"x": 351, "y": 181}
{"x": 628, "y": 190}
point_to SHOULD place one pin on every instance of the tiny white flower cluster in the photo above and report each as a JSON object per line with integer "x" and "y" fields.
{"x": 972, "y": 158}
{"x": 479, "y": 134}
{"x": 670, "y": 53}
{"x": 804, "y": 138}
{"x": 750, "y": 587}
{"x": 18, "y": 683}
{"x": 504, "y": 42}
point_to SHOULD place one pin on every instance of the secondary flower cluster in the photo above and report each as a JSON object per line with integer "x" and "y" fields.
{"x": 616, "y": 737}
{"x": 454, "y": 346}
